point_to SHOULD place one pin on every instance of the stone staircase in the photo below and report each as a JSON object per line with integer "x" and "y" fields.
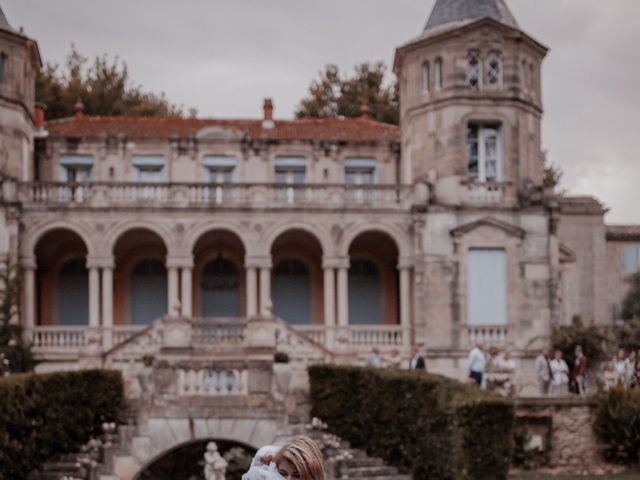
{"x": 66, "y": 466}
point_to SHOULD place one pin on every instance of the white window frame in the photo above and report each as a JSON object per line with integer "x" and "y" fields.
{"x": 494, "y": 79}
{"x": 216, "y": 168}
{"x": 438, "y": 73}
{"x": 290, "y": 166}
{"x": 426, "y": 77}
{"x": 483, "y": 132}
{"x": 75, "y": 163}
{"x": 359, "y": 167}
{"x": 143, "y": 164}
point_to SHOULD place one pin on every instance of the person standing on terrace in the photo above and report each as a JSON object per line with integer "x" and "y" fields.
{"x": 476, "y": 363}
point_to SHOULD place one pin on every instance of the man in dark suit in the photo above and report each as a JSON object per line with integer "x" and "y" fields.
{"x": 417, "y": 361}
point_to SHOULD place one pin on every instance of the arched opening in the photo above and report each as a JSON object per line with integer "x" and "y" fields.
{"x": 62, "y": 279}
{"x": 297, "y": 289}
{"x": 219, "y": 275}
{"x": 140, "y": 278}
{"x": 73, "y": 292}
{"x": 187, "y": 461}
{"x": 373, "y": 280}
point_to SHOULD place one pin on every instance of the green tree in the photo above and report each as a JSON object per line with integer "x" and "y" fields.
{"x": 334, "y": 95}
{"x": 15, "y": 355}
{"x": 104, "y": 87}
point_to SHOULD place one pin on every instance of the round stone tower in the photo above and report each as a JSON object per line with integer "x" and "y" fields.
{"x": 470, "y": 96}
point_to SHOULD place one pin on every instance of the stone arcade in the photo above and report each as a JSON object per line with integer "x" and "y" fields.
{"x": 349, "y": 234}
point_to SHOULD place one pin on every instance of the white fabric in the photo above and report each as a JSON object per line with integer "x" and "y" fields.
{"x": 476, "y": 361}
{"x": 260, "y": 471}
{"x": 560, "y": 371}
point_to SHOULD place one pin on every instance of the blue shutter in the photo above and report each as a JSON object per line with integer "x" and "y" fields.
{"x": 487, "y": 287}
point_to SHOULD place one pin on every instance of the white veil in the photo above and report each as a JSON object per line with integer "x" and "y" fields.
{"x": 260, "y": 471}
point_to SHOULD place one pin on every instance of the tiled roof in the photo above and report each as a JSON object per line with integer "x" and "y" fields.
{"x": 623, "y": 232}
{"x": 362, "y": 129}
{"x": 457, "y": 11}
{"x": 580, "y": 204}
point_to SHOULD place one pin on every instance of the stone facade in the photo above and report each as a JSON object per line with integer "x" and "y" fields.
{"x": 238, "y": 211}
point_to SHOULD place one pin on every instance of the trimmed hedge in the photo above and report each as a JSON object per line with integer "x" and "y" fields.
{"x": 617, "y": 424}
{"x": 45, "y": 415}
{"x": 428, "y": 425}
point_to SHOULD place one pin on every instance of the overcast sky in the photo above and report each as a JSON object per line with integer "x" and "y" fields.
{"x": 224, "y": 56}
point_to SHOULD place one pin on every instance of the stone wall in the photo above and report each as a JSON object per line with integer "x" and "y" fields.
{"x": 561, "y": 430}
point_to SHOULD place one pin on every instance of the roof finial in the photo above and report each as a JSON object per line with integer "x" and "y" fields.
{"x": 78, "y": 107}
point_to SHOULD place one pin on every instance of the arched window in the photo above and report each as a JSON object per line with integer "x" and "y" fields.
{"x": 426, "y": 83}
{"x": 73, "y": 293}
{"x": 494, "y": 70}
{"x": 438, "y": 73}
{"x": 292, "y": 291}
{"x": 148, "y": 291}
{"x": 474, "y": 70}
{"x": 365, "y": 293}
{"x": 220, "y": 289}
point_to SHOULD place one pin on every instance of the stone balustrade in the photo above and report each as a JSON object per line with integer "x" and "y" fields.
{"x": 220, "y": 334}
{"x": 190, "y": 195}
{"x": 486, "y": 193}
{"x": 487, "y": 334}
{"x": 212, "y": 382}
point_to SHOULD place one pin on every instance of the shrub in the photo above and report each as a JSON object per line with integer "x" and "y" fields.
{"x": 617, "y": 424}
{"x": 596, "y": 341}
{"x": 425, "y": 424}
{"x": 45, "y": 415}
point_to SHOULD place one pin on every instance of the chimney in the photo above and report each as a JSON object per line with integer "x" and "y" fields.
{"x": 268, "y": 109}
{"x": 268, "y": 114}
{"x": 79, "y": 108}
{"x": 38, "y": 115}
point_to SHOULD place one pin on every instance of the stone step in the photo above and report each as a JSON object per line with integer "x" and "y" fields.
{"x": 61, "y": 466}
{"x": 375, "y": 471}
{"x": 364, "y": 462}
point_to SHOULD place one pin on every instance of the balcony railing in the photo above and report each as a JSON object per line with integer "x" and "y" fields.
{"x": 184, "y": 195}
{"x": 486, "y": 193}
{"x": 487, "y": 334}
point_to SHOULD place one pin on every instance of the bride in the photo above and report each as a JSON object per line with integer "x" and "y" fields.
{"x": 298, "y": 459}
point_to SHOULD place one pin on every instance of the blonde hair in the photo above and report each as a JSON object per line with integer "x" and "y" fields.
{"x": 305, "y": 455}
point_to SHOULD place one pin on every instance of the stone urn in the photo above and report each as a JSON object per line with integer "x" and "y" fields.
{"x": 281, "y": 375}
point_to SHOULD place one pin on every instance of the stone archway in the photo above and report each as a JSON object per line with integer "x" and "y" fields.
{"x": 163, "y": 435}
{"x": 186, "y": 461}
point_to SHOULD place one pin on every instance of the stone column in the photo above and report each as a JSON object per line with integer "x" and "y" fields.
{"x": 30, "y": 302}
{"x": 252, "y": 291}
{"x": 405, "y": 303}
{"x": 172, "y": 290}
{"x": 186, "y": 293}
{"x": 343, "y": 295}
{"x": 94, "y": 296}
{"x": 329, "y": 302}
{"x": 107, "y": 307}
{"x": 266, "y": 304}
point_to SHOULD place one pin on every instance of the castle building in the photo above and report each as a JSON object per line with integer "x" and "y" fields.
{"x": 359, "y": 234}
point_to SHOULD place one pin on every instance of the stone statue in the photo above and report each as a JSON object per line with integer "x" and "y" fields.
{"x": 215, "y": 466}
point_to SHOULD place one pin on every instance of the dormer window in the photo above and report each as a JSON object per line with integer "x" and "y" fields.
{"x": 474, "y": 71}
{"x": 494, "y": 70}
{"x": 425, "y": 77}
{"x": 438, "y": 73}
{"x": 485, "y": 153}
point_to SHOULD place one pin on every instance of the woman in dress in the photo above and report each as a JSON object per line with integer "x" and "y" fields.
{"x": 560, "y": 372}
{"x": 298, "y": 459}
